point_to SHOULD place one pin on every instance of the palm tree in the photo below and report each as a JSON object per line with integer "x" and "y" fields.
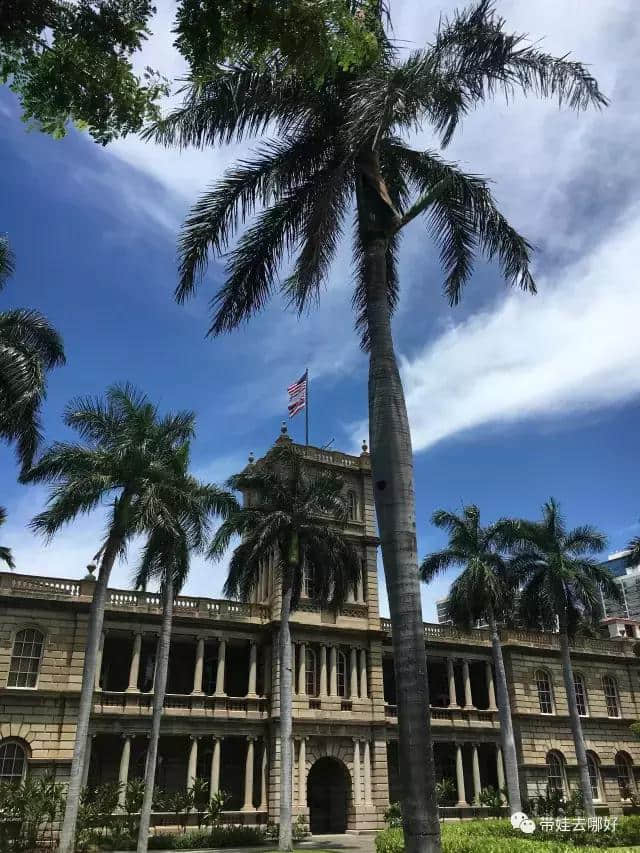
{"x": 5, "y": 553}
{"x": 485, "y": 590}
{"x": 634, "y": 551}
{"x": 283, "y": 518}
{"x": 181, "y": 528}
{"x": 29, "y": 346}
{"x": 562, "y": 586}
{"x": 339, "y": 144}
{"x": 128, "y": 456}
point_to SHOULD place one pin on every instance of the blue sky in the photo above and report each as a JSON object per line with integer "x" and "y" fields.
{"x": 512, "y": 398}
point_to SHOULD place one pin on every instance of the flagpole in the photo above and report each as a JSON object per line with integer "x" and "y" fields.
{"x": 306, "y": 412}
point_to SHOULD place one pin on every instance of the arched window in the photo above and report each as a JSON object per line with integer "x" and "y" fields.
{"x": 545, "y": 696}
{"x": 342, "y": 674}
{"x": 352, "y": 500}
{"x": 25, "y": 658}
{"x": 556, "y": 779}
{"x": 13, "y": 761}
{"x": 611, "y": 696}
{"x": 624, "y": 772}
{"x": 310, "y": 672}
{"x": 581, "y": 694}
{"x": 594, "y": 775}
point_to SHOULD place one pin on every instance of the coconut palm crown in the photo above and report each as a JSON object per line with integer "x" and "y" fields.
{"x": 29, "y": 347}
{"x": 485, "y": 590}
{"x": 295, "y": 516}
{"x": 562, "y": 588}
{"x": 5, "y": 553}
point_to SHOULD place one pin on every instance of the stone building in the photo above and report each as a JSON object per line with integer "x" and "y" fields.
{"x": 222, "y": 708}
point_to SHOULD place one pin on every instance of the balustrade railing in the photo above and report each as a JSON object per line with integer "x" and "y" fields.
{"x": 37, "y": 584}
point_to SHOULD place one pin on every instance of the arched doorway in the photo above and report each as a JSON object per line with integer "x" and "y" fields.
{"x": 328, "y": 796}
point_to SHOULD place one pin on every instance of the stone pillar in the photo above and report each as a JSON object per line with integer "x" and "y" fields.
{"x": 333, "y": 671}
{"x": 354, "y": 674}
{"x": 253, "y": 662}
{"x": 222, "y": 654}
{"x": 468, "y": 699}
{"x": 462, "y": 797}
{"x": 363, "y": 674}
{"x": 214, "y": 783}
{"x": 99, "y": 660}
{"x": 302, "y": 670}
{"x": 499, "y": 767}
{"x": 367, "y": 773}
{"x": 123, "y": 772}
{"x": 263, "y": 778}
{"x": 266, "y": 656}
{"x": 192, "y": 766}
{"x": 87, "y": 760}
{"x": 359, "y": 590}
{"x": 357, "y": 792}
{"x": 490, "y": 687}
{"x": 302, "y": 773}
{"x": 134, "y": 669}
{"x": 197, "y": 672}
{"x": 451, "y": 676}
{"x": 477, "y": 784}
{"x": 323, "y": 670}
{"x": 248, "y": 777}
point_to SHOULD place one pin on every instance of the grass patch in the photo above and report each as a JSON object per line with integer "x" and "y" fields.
{"x": 498, "y": 836}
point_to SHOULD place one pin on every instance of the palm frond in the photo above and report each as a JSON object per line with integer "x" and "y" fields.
{"x": 439, "y": 561}
{"x": 7, "y": 261}
{"x": 461, "y": 214}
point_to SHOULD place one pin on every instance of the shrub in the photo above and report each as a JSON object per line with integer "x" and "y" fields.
{"x": 219, "y": 836}
{"x": 393, "y": 815}
{"x": 299, "y": 829}
{"x": 493, "y": 799}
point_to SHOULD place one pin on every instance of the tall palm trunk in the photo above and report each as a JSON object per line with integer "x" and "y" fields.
{"x": 576, "y": 724}
{"x": 506, "y": 723}
{"x": 286, "y": 720}
{"x": 94, "y": 630}
{"x": 392, "y": 469}
{"x": 159, "y": 690}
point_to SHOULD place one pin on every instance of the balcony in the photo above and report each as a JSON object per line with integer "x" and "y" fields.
{"x": 178, "y": 705}
{"x": 457, "y": 718}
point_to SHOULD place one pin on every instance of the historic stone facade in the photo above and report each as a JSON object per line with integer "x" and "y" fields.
{"x": 222, "y": 709}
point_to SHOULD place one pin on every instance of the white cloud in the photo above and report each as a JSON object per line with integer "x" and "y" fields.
{"x": 572, "y": 347}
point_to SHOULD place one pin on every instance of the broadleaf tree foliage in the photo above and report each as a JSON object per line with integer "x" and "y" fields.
{"x": 336, "y": 145}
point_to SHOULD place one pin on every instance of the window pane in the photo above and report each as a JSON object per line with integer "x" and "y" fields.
{"x": 593, "y": 777}
{"x": 611, "y": 696}
{"x": 12, "y": 762}
{"x": 581, "y": 696}
{"x": 25, "y": 659}
{"x": 342, "y": 674}
{"x": 544, "y": 692}
{"x": 310, "y": 672}
{"x": 625, "y": 777}
{"x": 555, "y": 775}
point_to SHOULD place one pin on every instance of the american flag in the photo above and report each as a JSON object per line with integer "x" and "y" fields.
{"x": 298, "y": 395}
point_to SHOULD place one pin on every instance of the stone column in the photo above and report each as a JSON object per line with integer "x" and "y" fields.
{"x": 367, "y": 773}
{"x": 87, "y": 760}
{"x": 357, "y": 792}
{"x": 266, "y": 656}
{"x": 477, "y": 784}
{"x": 323, "y": 670}
{"x": 248, "y": 777}
{"x": 363, "y": 674}
{"x": 462, "y": 797}
{"x": 354, "y": 674}
{"x": 490, "y": 688}
{"x": 302, "y": 670}
{"x": 333, "y": 671}
{"x": 222, "y": 654}
{"x": 123, "y": 772}
{"x": 99, "y": 660}
{"x": 302, "y": 773}
{"x": 468, "y": 700}
{"x": 197, "y": 671}
{"x": 453, "y": 701}
{"x": 192, "y": 766}
{"x": 359, "y": 589}
{"x": 134, "y": 669}
{"x": 263, "y": 778}
{"x": 214, "y": 783}
{"x": 499, "y": 767}
{"x": 253, "y": 662}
